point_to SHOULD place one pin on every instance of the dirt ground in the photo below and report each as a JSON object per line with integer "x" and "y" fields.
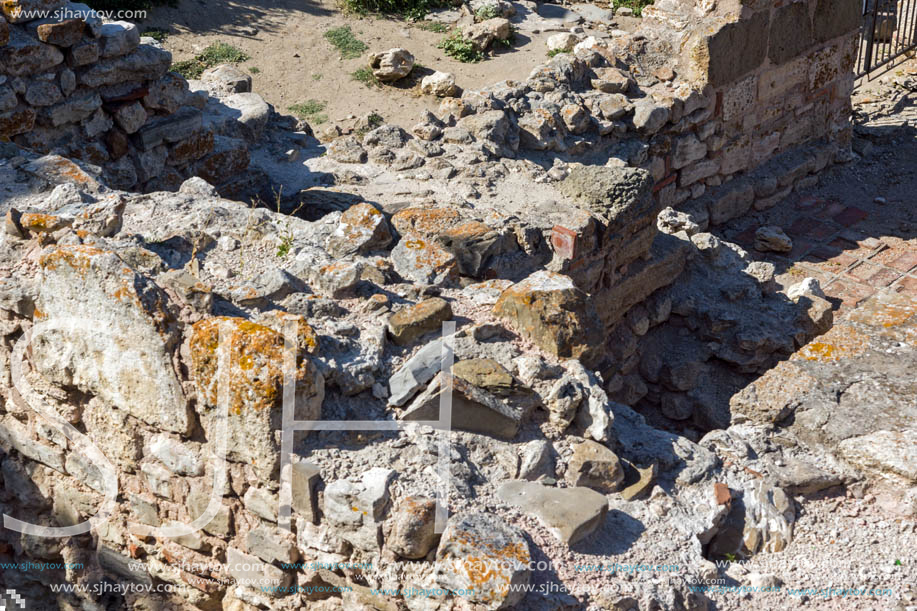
{"x": 296, "y": 63}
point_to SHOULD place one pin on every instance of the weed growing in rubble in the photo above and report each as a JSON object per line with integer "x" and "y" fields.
{"x": 636, "y": 5}
{"x": 433, "y": 26}
{"x": 311, "y": 111}
{"x": 215, "y": 54}
{"x": 157, "y": 34}
{"x": 488, "y": 11}
{"x": 554, "y": 52}
{"x": 254, "y": 69}
{"x": 458, "y": 48}
{"x": 408, "y": 9}
{"x": 345, "y": 42}
{"x": 365, "y": 76}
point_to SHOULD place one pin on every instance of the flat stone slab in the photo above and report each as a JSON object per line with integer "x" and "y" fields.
{"x": 569, "y": 513}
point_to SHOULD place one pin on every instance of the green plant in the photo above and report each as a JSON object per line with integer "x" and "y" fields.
{"x": 310, "y": 110}
{"x": 488, "y": 11}
{"x": 433, "y": 26}
{"x": 213, "y": 55}
{"x": 459, "y": 48}
{"x": 365, "y": 76}
{"x": 157, "y": 34}
{"x": 286, "y": 243}
{"x": 731, "y": 557}
{"x": 254, "y": 69}
{"x": 554, "y": 52}
{"x": 636, "y": 5}
{"x": 375, "y": 120}
{"x": 345, "y": 42}
{"x": 409, "y": 9}
{"x": 316, "y": 77}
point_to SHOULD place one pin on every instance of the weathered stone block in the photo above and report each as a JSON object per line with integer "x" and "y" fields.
{"x": 551, "y": 311}
{"x": 143, "y": 64}
{"x": 129, "y": 326}
{"x": 173, "y": 128}
{"x": 835, "y": 18}
{"x": 254, "y": 381}
{"x": 715, "y": 56}
{"x": 790, "y": 33}
{"x": 24, "y": 55}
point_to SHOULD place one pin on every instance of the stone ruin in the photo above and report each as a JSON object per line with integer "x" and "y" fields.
{"x": 604, "y": 338}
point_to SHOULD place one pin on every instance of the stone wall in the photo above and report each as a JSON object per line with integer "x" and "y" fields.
{"x": 777, "y": 79}
{"x": 100, "y": 93}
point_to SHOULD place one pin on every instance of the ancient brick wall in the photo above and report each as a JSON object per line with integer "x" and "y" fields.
{"x": 100, "y": 93}
{"x": 777, "y": 79}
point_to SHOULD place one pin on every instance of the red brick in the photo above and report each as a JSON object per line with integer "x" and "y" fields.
{"x": 850, "y": 293}
{"x": 801, "y": 226}
{"x": 564, "y": 241}
{"x": 907, "y": 285}
{"x": 850, "y": 216}
{"x": 883, "y": 278}
{"x": 862, "y": 272}
{"x": 905, "y": 262}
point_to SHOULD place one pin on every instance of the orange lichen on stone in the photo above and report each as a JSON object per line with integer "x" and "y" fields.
{"x": 427, "y": 222}
{"x": 841, "y": 342}
{"x": 255, "y": 360}
{"x": 469, "y": 229}
{"x": 893, "y": 316}
{"x": 77, "y": 256}
{"x": 42, "y": 223}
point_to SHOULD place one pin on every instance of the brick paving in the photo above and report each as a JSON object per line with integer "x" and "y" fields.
{"x": 839, "y": 245}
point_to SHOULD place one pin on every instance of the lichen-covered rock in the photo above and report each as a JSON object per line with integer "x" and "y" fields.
{"x": 550, "y": 311}
{"x": 421, "y": 260}
{"x": 481, "y": 553}
{"x": 122, "y": 337}
{"x": 254, "y": 359}
{"x": 412, "y": 534}
{"x": 362, "y": 229}
{"x": 347, "y": 150}
{"x": 408, "y": 324}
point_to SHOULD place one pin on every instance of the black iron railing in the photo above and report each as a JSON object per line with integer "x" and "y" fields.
{"x": 889, "y": 31}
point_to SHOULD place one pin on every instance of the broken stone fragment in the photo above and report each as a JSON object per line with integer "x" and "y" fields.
{"x": 571, "y": 514}
{"x": 595, "y": 466}
{"x": 128, "y": 322}
{"x": 412, "y": 535}
{"x": 549, "y": 310}
{"x": 481, "y": 554}
{"x": 441, "y": 84}
{"x": 760, "y": 520}
{"x": 771, "y": 238}
{"x": 473, "y": 409}
{"x": 254, "y": 355}
{"x": 563, "y": 42}
{"x": 362, "y": 229}
{"x": 422, "y": 260}
{"x": 483, "y": 34}
{"x": 415, "y": 373}
{"x": 227, "y": 79}
{"x": 489, "y": 375}
{"x": 357, "y": 510}
{"x": 409, "y": 324}
{"x": 612, "y": 80}
{"x": 637, "y": 481}
{"x": 346, "y": 149}
{"x": 389, "y": 66}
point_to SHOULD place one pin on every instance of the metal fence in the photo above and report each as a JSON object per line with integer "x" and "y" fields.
{"x": 889, "y": 31}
